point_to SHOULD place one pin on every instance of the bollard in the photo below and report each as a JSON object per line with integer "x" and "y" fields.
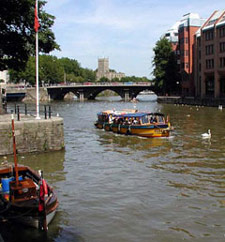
{"x": 49, "y": 112}
{"x": 15, "y": 108}
{"x": 45, "y": 112}
{"x": 18, "y": 113}
{"x": 25, "y": 109}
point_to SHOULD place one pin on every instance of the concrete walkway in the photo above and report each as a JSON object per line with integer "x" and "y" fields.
{"x": 6, "y": 118}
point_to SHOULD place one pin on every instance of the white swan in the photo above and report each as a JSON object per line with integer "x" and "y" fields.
{"x": 207, "y": 135}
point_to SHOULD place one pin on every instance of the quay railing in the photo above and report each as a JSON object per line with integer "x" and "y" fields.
{"x": 18, "y": 110}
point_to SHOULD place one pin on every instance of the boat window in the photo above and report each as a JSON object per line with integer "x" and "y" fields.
{"x": 145, "y": 119}
{"x": 160, "y": 119}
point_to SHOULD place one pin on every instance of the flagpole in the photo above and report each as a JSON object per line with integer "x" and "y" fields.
{"x": 37, "y": 70}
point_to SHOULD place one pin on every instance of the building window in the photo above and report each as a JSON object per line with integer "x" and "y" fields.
{"x": 200, "y": 67}
{"x": 199, "y": 55}
{"x": 186, "y": 40}
{"x": 186, "y": 52}
{"x": 210, "y": 86}
{"x": 222, "y": 32}
{"x": 186, "y": 65}
{"x": 210, "y": 64}
{"x": 222, "y": 47}
{"x": 222, "y": 62}
{"x": 209, "y": 35}
{"x": 209, "y": 49}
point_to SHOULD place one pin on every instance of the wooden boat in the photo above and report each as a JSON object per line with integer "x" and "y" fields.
{"x": 105, "y": 118}
{"x": 25, "y": 196}
{"x": 142, "y": 124}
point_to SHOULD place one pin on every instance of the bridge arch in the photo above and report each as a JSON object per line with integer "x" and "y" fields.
{"x": 94, "y": 94}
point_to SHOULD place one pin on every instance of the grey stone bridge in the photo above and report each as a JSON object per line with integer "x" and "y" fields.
{"x": 126, "y": 91}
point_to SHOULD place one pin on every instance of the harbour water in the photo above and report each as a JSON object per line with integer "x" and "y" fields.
{"x": 129, "y": 189}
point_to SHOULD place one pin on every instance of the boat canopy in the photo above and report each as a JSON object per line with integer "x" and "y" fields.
{"x": 138, "y": 115}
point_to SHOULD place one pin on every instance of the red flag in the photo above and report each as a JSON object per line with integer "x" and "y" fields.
{"x": 36, "y": 23}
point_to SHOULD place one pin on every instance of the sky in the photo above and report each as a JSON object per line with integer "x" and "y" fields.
{"x": 125, "y": 31}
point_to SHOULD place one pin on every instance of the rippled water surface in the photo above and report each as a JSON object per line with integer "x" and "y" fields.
{"x": 122, "y": 188}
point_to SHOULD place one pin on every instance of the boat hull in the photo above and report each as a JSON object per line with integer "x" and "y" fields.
{"x": 108, "y": 127}
{"x": 148, "y": 131}
{"x": 99, "y": 125}
{"x": 34, "y": 221}
{"x": 23, "y": 202}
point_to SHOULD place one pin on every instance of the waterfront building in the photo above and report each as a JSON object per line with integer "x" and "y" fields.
{"x": 189, "y": 25}
{"x": 172, "y": 36}
{"x": 4, "y": 78}
{"x": 181, "y": 36}
{"x": 104, "y": 71}
{"x": 210, "y": 57}
{"x": 200, "y": 51}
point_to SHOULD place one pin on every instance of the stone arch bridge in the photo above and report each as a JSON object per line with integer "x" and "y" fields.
{"x": 126, "y": 91}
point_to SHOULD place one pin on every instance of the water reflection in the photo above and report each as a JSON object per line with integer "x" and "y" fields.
{"x": 115, "y": 142}
{"x": 52, "y": 163}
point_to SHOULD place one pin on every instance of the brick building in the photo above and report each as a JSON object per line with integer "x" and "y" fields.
{"x": 210, "y": 57}
{"x": 182, "y": 38}
{"x": 189, "y": 25}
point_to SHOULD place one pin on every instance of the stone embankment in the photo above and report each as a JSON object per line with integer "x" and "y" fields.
{"x": 32, "y": 135}
{"x": 31, "y": 95}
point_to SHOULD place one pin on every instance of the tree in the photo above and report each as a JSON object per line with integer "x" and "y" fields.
{"x": 103, "y": 79}
{"x": 70, "y": 66}
{"x": 17, "y": 35}
{"x": 165, "y": 67}
{"x": 88, "y": 75}
{"x": 52, "y": 71}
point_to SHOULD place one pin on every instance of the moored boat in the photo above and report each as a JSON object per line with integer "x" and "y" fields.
{"x": 30, "y": 201}
{"x": 25, "y": 196}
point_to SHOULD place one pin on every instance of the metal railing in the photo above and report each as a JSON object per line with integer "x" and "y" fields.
{"x": 45, "y": 111}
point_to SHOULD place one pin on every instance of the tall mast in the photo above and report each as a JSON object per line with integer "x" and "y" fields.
{"x": 37, "y": 62}
{"x": 14, "y": 151}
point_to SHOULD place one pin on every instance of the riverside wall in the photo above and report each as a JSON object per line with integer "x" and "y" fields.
{"x": 32, "y": 135}
{"x": 210, "y": 102}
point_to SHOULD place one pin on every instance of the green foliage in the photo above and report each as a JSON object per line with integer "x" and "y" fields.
{"x": 115, "y": 79}
{"x": 88, "y": 75}
{"x": 17, "y": 35}
{"x": 165, "y": 67}
{"x": 134, "y": 79}
{"x": 103, "y": 79}
{"x": 52, "y": 71}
